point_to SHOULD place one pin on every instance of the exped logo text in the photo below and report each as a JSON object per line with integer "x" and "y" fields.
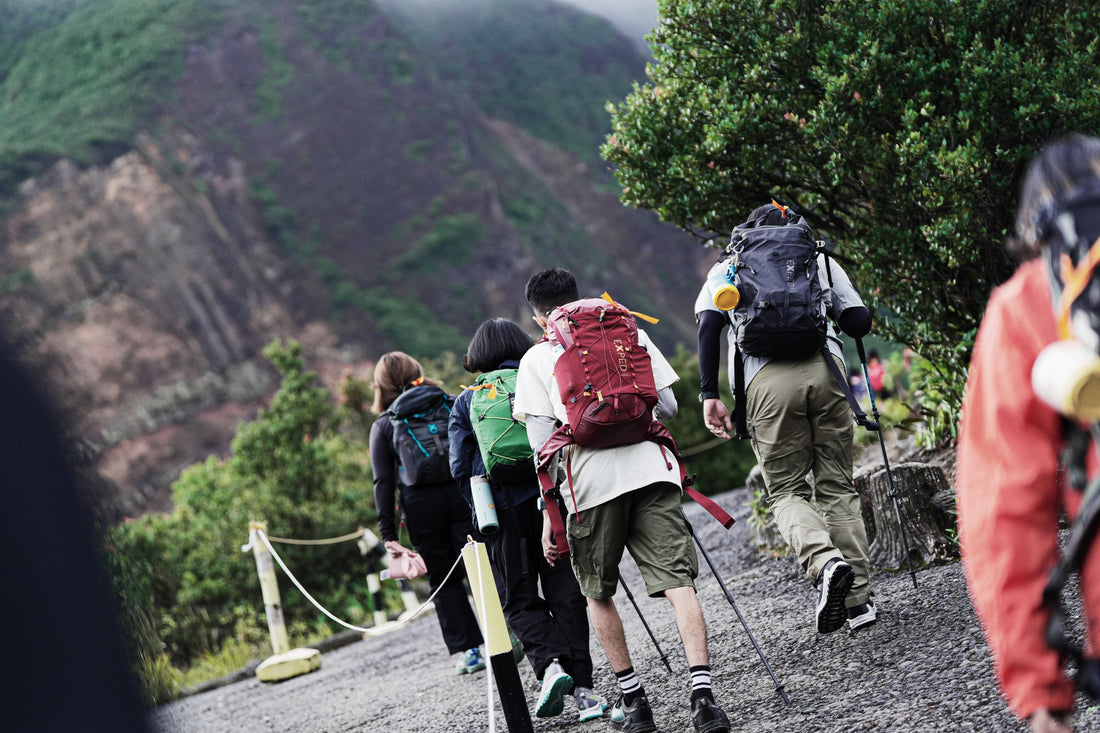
{"x": 620, "y": 350}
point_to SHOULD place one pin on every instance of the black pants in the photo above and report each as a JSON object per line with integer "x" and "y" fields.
{"x": 439, "y": 521}
{"x": 554, "y": 624}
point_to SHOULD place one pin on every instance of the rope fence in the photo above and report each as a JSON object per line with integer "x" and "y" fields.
{"x": 490, "y": 618}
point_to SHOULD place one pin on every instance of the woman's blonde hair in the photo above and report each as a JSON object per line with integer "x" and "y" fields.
{"x": 395, "y": 371}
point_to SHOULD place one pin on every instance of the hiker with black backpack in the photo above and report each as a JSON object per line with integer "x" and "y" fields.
{"x": 487, "y": 443}
{"x": 625, "y": 495}
{"x": 1027, "y": 448}
{"x": 409, "y": 453}
{"x": 772, "y": 293}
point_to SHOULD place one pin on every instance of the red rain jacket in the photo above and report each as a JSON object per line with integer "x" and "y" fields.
{"x": 1011, "y": 492}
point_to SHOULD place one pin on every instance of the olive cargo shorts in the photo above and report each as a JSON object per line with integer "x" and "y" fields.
{"x": 647, "y": 521}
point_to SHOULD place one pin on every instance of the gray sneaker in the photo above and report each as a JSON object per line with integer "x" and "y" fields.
{"x": 590, "y": 705}
{"x": 555, "y": 685}
{"x": 707, "y": 717}
{"x": 637, "y": 718}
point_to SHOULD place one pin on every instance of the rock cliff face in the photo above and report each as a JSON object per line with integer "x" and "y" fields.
{"x": 314, "y": 180}
{"x": 145, "y": 296}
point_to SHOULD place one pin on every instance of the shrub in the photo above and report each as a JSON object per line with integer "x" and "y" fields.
{"x": 293, "y": 468}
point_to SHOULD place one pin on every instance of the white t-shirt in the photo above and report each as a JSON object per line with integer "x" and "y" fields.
{"x": 599, "y": 474}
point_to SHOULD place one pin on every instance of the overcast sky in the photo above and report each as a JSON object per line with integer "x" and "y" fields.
{"x": 635, "y": 17}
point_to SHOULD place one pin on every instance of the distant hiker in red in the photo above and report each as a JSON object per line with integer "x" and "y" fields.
{"x": 876, "y": 374}
{"x": 628, "y": 497}
{"x": 437, "y": 514}
{"x": 1031, "y": 393}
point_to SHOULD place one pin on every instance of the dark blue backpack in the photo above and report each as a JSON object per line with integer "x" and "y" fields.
{"x": 782, "y": 305}
{"x": 419, "y": 416}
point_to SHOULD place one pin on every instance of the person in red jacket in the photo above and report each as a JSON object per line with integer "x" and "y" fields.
{"x": 1012, "y": 489}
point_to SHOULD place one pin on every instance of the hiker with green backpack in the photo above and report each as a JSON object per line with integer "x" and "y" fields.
{"x": 487, "y": 442}
{"x": 771, "y": 293}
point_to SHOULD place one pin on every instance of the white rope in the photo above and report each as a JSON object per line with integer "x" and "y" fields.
{"x": 328, "y": 541}
{"x": 372, "y": 631}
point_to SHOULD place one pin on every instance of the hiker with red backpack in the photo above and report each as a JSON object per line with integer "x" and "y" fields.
{"x": 792, "y": 397}
{"x": 409, "y": 454}
{"x": 1027, "y": 451}
{"x": 624, "y": 495}
{"x": 487, "y": 442}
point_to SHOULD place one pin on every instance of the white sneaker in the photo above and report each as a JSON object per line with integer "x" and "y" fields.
{"x": 862, "y": 614}
{"x": 555, "y": 684}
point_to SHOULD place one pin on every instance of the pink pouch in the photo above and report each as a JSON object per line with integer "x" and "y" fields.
{"x": 409, "y": 565}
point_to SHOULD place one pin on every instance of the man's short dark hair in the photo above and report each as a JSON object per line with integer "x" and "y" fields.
{"x": 548, "y": 289}
{"x": 496, "y": 341}
{"x": 775, "y": 216}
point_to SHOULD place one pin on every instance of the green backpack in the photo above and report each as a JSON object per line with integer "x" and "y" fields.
{"x": 501, "y": 438}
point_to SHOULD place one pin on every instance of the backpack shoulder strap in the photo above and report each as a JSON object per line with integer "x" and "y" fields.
{"x": 740, "y": 409}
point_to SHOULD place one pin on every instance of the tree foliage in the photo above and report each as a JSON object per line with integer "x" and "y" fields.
{"x": 718, "y": 465}
{"x": 899, "y": 127}
{"x": 294, "y": 469}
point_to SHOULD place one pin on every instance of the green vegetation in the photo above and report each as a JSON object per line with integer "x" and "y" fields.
{"x": 80, "y": 77}
{"x": 277, "y": 73}
{"x": 718, "y": 465}
{"x": 414, "y": 328}
{"x": 559, "y": 73}
{"x": 190, "y": 594}
{"x": 328, "y": 23}
{"x": 452, "y": 241}
{"x": 899, "y": 127}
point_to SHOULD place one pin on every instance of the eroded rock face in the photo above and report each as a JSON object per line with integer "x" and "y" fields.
{"x": 143, "y": 293}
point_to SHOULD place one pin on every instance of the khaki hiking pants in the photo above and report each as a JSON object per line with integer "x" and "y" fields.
{"x": 800, "y": 423}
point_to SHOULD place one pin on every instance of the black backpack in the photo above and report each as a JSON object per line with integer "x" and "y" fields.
{"x": 782, "y": 307}
{"x": 419, "y": 416}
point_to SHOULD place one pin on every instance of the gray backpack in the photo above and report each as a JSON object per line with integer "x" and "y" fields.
{"x": 782, "y": 305}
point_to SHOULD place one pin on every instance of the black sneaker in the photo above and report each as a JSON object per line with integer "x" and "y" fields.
{"x": 638, "y": 718}
{"x": 862, "y": 614}
{"x": 707, "y": 717}
{"x": 835, "y": 581}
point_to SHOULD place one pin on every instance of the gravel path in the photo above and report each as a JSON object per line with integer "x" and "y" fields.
{"x": 923, "y": 667}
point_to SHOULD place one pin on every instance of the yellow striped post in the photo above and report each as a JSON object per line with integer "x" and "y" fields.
{"x": 498, "y": 643}
{"x": 286, "y": 662}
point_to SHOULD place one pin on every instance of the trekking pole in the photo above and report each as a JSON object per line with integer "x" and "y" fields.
{"x": 729, "y": 597}
{"x": 885, "y": 460}
{"x": 630, "y": 595}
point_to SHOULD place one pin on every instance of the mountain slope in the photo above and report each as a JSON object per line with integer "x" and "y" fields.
{"x": 309, "y": 173}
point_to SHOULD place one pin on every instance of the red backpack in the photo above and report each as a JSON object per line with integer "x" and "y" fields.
{"x": 605, "y": 380}
{"x": 604, "y": 376}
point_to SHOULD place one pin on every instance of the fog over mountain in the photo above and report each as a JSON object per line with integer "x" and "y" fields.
{"x": 634, "y": 17}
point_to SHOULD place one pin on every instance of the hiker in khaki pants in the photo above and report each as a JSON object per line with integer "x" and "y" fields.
{"x": 800, "y": 424}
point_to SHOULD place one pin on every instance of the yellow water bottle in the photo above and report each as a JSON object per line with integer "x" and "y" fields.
{"x": 722, "y": 290}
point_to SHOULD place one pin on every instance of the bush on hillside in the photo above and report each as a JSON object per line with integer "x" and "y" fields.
{"x": 292, "y": 468}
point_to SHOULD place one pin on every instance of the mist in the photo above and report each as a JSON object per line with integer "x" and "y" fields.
{"x": 635, "y": 18}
